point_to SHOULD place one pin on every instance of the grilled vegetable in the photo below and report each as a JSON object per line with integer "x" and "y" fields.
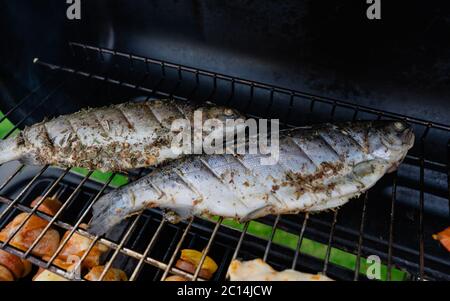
{"x": 258, "y": 270}
{"x": 5, "y": 274}
{"x": 444, "y": 238}
{"x": 176, "y": 278}
{"x": 111, "y": 275}
{"x": 28, "y": 234}
{"x": 319, "y": 167}
{"x": 46, "y": 275}
{"x": 114, "y": 138}
{"x": 27, "y": 266}
{"x": 77, "y": 245}
{"x": 49, "y": 206}
{"x": 189, "y": 261}
{"x": 17, "y": 266}
{"x": 13, "y": 263}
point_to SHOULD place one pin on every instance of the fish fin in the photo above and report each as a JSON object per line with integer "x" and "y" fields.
{"x": 174, "y": 217}
{"x": 255, "y": 214}
{"x": 10, "y": 149}
{"x": 109, "y": 211}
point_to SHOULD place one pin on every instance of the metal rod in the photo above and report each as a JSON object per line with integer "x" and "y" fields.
{"x": 147, "y": 251}
{"x": 206, "y": 250}
{"x": 50, "y": 224}
{"x": 76, "y": 267}
{"x": 45, "y": 99}
{"x": 241, "y": 239}
{"x": 330, "y": 241}
{"x": 119, "y": 247}
{"x": 77, "y": 224}
{"x": 21, "y": 166}
{"x": 391, "y": 227}
{"x": 448, "y": 178}
{"x": 300, "y": 241}
{"x": 25, "y": 189}
{"x": 304, "y": 95}
{"x": 22, "y": 101}
{"x": 272, "y": 235}
{"x": 360, "y": 238}
{"x": 33, "y": 210}
{"x": 177, "y": 249}
{"x": 421, "y": 210}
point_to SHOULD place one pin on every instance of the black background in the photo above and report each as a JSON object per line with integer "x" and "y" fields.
{"x": 399, "y": 63}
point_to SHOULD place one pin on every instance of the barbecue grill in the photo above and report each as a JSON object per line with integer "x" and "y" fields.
{"x": 394, "y": 220}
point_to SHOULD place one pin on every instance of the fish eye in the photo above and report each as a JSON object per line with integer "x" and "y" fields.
{"x": 228, "y": 112}
{"x": 399, "y": 126}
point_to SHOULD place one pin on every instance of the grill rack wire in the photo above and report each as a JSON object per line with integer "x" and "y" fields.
{"x": 85, "y": 54}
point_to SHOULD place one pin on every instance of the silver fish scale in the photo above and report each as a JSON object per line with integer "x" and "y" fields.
{"x": 318, "y": 168}
{"x": 115, "y": 138}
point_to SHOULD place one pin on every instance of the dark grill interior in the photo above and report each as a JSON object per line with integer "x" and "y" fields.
{"x": 394, "y": 220}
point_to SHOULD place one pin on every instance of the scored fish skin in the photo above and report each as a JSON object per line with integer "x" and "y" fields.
{"x": 320, "y": 167}
{"x": 114, "y": 138}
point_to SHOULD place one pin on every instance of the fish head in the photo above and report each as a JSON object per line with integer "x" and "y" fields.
{"x": 221, "y": 113}
{"x": 390, "y": 141}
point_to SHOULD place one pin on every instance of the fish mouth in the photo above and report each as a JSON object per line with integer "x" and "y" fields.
{"x": 408, "y": 137}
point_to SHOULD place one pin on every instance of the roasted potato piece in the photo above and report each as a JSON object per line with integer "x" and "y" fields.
{"x": 50, "y": 205}
{"x": 12, "y": 263}
{"x": 444, "y": 238}
{"x": 28, "y": 234}
{"x": 5, "y": 274}
{"x": 27, "y": 267}
{"x": 176, "y": 278}
{"x": 112, "y": 274}
{"x": 190, "y": 259}
{"x": 46, "y": 275}
{"x": 78, "y": 245}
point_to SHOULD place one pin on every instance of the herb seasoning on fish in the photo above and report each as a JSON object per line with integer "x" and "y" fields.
{"x": 319, "y": 168}
{"x": 115, "y": 138}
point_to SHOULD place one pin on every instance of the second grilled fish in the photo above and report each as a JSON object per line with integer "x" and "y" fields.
{"x": 320, "y": 167}
{"x": 115, "y": 138}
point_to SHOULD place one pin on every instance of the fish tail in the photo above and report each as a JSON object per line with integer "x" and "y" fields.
{"x": 10, "y": 150}
{"x": 107, "y": 212}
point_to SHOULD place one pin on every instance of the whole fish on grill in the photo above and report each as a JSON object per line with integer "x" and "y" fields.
{"x": 114, "y": 138}
{"x": 319, "y": 167}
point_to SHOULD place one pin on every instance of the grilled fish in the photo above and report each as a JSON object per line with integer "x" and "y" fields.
{"x": 115, "y": 138}
{"x": 319, "y": 167}
{"x": 258, "y": 270}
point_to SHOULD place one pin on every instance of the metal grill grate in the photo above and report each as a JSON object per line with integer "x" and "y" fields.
{"x": 147, "y": 246}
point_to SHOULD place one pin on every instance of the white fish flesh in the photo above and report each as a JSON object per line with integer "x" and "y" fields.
{"x": 258, "y": 270}
{"x": 319, "y": 168}
{"x": 114, "y": 138}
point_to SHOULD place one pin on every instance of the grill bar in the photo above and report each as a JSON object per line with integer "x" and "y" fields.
{"x": 253, "y": 88}
{"x": 330, "y": 241}
{"x": 206, "y": 250}
{"x": 391, "y": 227}
{"x": 272, "y": 234}
{"x": 361, "y": 237}
{"x": 252, "y": 85}
{"x": 177, "y": 249}
{"x": 300, "y": 241}
{"x": 448, "y": 178}
{"x": 77, "y": 224}
{"x": 60, "y": 211}
{"x": 119, "y": 247}
{"x": 46, "y": 194}
{"x": 147, "y": 251}
{"x": 241, "y": 239}
{"x": 24, "y": 99}
{"x": 44, "y": 100}
{"x": 25, "y": 189}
